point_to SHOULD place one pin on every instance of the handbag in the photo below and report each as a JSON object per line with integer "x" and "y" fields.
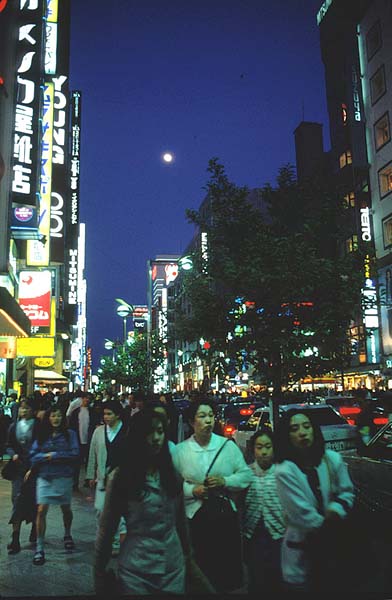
{"x": 217, "y": 506}
{"x": 10, "y": 470}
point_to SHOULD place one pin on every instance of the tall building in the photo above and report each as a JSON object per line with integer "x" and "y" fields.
{"x": 356, "y": 48}
{"x": 39, "y": 194}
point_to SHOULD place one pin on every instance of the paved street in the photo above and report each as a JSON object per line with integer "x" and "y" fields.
{"x": 62, "y": 574}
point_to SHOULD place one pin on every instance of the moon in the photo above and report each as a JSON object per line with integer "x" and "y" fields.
{"x": 168, "y": 157}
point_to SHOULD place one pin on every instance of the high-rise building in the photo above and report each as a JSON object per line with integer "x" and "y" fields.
{"x": 356, "y": 48}
{"x": 39, "y": 196}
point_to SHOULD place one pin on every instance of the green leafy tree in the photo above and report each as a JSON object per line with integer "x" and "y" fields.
{"x": 277, "y": 293}
{"x": 132, "y": 364}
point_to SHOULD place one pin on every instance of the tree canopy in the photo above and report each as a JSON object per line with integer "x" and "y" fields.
{"x": 273, "y": 289}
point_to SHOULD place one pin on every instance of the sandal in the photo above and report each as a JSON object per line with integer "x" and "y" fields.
{"x": 39, "y": 557}
{"x": 69, "y": 544}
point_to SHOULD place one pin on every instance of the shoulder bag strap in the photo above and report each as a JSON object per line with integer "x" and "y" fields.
{"x": 216, "y": 456}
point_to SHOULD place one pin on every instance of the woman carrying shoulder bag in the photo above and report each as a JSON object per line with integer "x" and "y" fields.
{"x": 213, "y": 468}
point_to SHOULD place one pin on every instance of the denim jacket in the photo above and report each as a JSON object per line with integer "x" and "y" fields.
{"x": 64, "y": 456}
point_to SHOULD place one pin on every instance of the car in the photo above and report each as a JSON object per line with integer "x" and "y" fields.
{"x": 337, "y": 432}
{"x": 231, "y": 415}
{"x": 370, "y": 468}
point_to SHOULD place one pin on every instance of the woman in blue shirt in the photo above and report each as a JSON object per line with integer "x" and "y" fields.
{"x": 53, "y": 457}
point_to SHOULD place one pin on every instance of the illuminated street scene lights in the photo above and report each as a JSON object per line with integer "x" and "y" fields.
{"x": 124, "y": 310}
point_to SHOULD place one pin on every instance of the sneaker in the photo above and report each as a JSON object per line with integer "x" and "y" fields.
{"x": 13, "y": 547}
{"x": 69, "y": 544}
{"x": 39, "y": 557}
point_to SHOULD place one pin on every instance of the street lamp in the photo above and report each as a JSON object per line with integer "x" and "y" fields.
{"x": 124, "y": 310}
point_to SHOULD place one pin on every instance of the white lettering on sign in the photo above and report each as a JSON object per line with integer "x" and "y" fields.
{"x": 73, "y": 277}
{"x": 323, "y": 10}
{"x": 60, "y": 107}
{"x": 56, "y": 215}
{"x": 365, "y": 224}
{"x": 24, "y": 146}
{"x": 356, "y": 100}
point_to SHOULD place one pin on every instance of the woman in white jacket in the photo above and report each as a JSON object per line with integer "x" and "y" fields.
{"x": 315, "y": 491}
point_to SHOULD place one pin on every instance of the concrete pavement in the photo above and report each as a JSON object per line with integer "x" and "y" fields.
{"x": 63, "y": 574}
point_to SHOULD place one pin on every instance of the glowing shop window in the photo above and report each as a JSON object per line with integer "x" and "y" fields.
{"x": 385, "y": 180}
{"x": 345, "y": 159}
{"x": 382, "y": 132}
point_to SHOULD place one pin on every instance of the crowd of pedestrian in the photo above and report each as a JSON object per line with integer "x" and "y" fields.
{"x": 176, "y": 503}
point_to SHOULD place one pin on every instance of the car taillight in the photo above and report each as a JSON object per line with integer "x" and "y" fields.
{"x": 380, "y": 420}
{"x": 229, "y": 429}
{"x": 350, "y": 421}
{"x": 246, "y": 411}
{"x": 349, "y": 410}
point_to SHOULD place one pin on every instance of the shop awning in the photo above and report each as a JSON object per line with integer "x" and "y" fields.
{"x": 13, "y": 321}
{"x": 45, "y": 376}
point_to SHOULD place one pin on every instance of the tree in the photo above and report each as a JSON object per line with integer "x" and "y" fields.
{"x": 277, "y": 292}
{"x": 131, "y": 366}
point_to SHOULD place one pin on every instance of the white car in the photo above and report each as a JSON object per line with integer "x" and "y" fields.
{"x": 337, "y": 432}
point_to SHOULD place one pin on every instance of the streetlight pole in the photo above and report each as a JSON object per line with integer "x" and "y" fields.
{"x": 124, "y": 310}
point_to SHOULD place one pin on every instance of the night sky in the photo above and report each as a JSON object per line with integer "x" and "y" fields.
{"x": 198, "y": 78}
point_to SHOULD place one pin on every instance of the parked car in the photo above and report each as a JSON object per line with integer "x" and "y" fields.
{"x": 230, "y": 416}
{"x": 338, "y": 433}
{"x": 370, "y": 467}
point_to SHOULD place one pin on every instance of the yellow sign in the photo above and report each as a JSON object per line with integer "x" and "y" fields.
{"x": 44, "y": 362}
{"x": 35, "y": 346}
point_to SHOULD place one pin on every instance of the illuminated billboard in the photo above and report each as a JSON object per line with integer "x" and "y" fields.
{"x": 37, "y": 254}
{"x": 36, "y": 346}
{"x": 35, "y": 289}
{"x": 26, "y": 129}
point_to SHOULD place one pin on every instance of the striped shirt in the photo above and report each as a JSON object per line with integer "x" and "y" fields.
{"x": 262, "y": 502}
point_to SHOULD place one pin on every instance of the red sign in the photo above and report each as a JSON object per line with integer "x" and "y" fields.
{"x": 34, "y": 296}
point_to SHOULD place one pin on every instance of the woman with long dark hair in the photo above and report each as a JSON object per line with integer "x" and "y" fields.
{"x": 53, "y": 457}
{"x": 21, "y": 436}
{"x": 315, "y": 491}
{"x": 147, "y": 491}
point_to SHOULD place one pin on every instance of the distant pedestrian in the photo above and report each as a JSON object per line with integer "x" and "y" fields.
{"x": 83, "y": 420}
{"x": 147, "y": 491}
{"x": 53, "y": 456}
{"x": 105, "y": 454}
{"x": 21, "y": 436}
{"x": 263, "y": 520}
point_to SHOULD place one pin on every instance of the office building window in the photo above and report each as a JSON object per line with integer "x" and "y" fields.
{"x": 345, "y": 159}
{"x": 377, "y": 84}
{"x": 344, "y": 113}
{"x": 387, "y": 231}
{"x": 373, "y": 40}
{"x": 382, "y": 132}
{"x": 352, "y": 244}
{"x": 385, "y": 180}
{"x": 349, "y": 200}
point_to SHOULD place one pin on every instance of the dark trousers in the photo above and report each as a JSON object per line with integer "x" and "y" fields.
{"x": 218, "y": 550}
{"x": 83, "y": 457}
{"x": 263, "y": 562}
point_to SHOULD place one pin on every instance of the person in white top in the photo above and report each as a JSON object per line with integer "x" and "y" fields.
{"x": 316, "y": 493}
{"x": 217, "y": 543}
{"x": 104, "y": 455}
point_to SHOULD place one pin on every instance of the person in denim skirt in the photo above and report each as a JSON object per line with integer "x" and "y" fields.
{"x": 53, "y": 456}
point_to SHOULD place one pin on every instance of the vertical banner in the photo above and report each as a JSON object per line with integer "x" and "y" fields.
{"x": 57, "y": 64}
{"x": 26, "y": 130}
{"x": 35, "y": 289}
{"x": 72, "y": 212}
{"x": 38, "y": 250}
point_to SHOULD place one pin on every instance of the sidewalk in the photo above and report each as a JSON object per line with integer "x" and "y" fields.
{"x": 62, "y": 574}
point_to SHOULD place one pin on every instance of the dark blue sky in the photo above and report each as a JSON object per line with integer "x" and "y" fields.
{"x": 200, "y": 78}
